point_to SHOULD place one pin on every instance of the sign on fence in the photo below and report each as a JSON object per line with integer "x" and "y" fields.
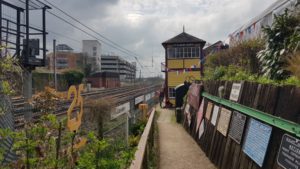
{"x": 152, "y": 94}
{"x": 139, "y": 99}
{"x": 122, "y": 109}
{"x": 289, "y": 152}
{"x": 215, "y": 115}
{"x": 257, "y": 140}
{"x": 208, "y": 110}
{"x": 224, "y": 120}
{"x": 235, "y": 91}
{"x": 147, "y": 97}
{"x": 237, "y": 126}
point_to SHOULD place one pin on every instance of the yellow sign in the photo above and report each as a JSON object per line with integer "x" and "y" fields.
{"x": 74, "y": 123}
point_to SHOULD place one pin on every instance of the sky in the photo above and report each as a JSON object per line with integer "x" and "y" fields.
{"x": 142, "y": 25}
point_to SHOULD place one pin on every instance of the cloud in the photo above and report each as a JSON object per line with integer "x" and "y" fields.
{"x": 141, "y": 26}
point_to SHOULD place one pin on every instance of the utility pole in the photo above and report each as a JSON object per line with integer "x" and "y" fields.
{"x": 54, "y": 64}
{"x": 140, "y": 74}
{"x": 27, "y": 86}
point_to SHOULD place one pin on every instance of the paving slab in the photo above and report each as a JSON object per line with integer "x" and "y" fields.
{"x": 178, "y": 150}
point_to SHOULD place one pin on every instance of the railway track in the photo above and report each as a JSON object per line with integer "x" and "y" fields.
{"x": 121, "y": 95}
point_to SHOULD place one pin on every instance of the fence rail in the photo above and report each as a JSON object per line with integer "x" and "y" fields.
{"x": 145, "y": 144}
{"x": 283, "y": 124}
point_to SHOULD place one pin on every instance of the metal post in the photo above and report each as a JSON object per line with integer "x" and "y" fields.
{"x": 54, "y": 63}
{"x": 27, "y": 32}
{"x": 127, "y": 128}
{"x": 27, "y": 93}
{"x": 0, "y": 27}
{"x": 6, "y": 38}
{"x": 18, "y": 39}
{"x": 201, "y": 62}
{"x": 27, "y": 86}
{"x": 44, "y": 36}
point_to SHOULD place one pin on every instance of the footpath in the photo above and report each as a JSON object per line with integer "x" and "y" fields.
{"x": 177, "y": 148}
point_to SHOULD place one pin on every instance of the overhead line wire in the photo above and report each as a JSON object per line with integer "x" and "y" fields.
{"x": 112, "y": 42}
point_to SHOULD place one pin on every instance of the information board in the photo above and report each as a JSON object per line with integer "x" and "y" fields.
{"x": 235, "y": 91}
{"x": 200, "y": 115}
{"x": 289, "y": 152}
{"x": 257, "y": 140}
{"x": 237, "y": 126}
{"x": 147, "y": 97}
{"x": 121, "y": 109}
{"x": 224, "y": 120}
{"x": 201, "y": 129}
{"x": 208, "y": 110}
{"x": 215, "y": 115}
{"x": 152, "y": 94}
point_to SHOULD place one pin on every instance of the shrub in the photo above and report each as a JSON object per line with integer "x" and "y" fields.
{"x": 294, "y": 64}
{"x": 282, "y": 40}
{"x": 230, "y": 72}
{"x": 73, "y": 77}
{"x": 243, "y": 55}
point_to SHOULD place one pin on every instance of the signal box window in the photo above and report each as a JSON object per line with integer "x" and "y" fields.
{"x": 171, "y": 92}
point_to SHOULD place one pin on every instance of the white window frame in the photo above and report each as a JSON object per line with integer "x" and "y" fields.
{"x": 171, "y": 94}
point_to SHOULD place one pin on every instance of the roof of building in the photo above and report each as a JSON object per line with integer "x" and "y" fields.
{"x": 215, "y": 47}
{"x": 184, "y": 38}
{"x": 63, "y": 47}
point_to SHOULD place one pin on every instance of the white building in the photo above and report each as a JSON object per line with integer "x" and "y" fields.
{"x": 126, "y": 70}
{"x": 92, "y": 48}
{"x": 253, "y": 29}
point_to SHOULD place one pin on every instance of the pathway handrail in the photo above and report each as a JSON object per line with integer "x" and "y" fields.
{"x": 140, "y": 157}
{"x": 281, "y": 123}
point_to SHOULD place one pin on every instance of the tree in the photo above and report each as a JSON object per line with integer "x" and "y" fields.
{"x": 73, "y": 77}
{"x": 87, "y": 70}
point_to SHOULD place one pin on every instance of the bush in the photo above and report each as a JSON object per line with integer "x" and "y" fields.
{"x": 282, "y": 40}
{"x": 243, "y": 55}
{"x": 73, "y": 77}
{"x": 230, "y": 72}
{"x": 234, "y": 73}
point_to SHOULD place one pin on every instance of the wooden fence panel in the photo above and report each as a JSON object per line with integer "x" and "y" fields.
{"x": 226, "y": 153}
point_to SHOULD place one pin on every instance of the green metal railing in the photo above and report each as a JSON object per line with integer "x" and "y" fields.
{"x": 278, "y": 122}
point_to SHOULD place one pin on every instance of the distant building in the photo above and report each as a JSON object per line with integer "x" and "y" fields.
{"x": 63, "y": 48}
{"x": 104, "y": 79}
{"x": 215, "y": 48}
{"x": 253, "y": 28}
{"x": 182, "y": 61}
{"x": 111, "y": 63}
{"x": 92, "y": 49}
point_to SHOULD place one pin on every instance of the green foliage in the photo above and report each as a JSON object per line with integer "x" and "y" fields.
{"x": 9, "y": 68}
{"x": 231, "y": 72}
{"x": 102, "y": 154}
{"x": 234, "y": 73}
{"x": 73, "y": 77}
{"x": 36, "y": 147}
{"x": 36, "y": 144}
{"x": 138, "y": 128}
{"x": 282, "y": 39}
{"x": 242, "y": 55}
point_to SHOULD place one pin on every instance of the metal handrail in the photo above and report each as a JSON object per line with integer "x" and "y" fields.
{"x": 283, "y": 124}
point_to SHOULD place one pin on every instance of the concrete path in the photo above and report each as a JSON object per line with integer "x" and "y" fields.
{"x": 177, "y": 148}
